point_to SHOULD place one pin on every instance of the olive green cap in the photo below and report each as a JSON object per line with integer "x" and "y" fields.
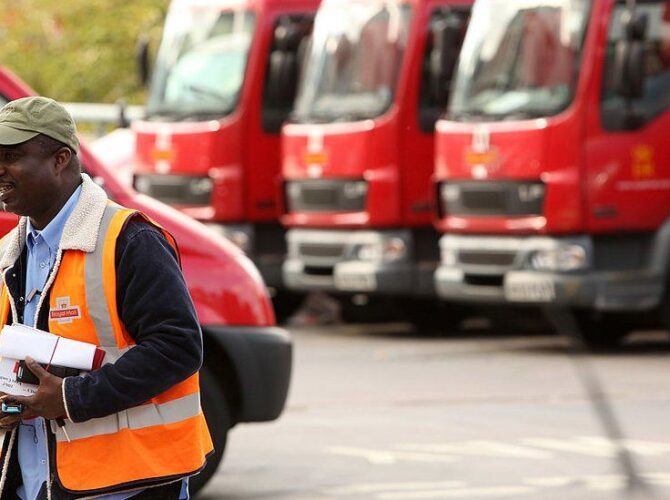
{"x": 24, "y": 118}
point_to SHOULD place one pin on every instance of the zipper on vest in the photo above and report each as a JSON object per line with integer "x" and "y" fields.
{"x": 47, "y": 285}
{"x": 12, "y": 303}
{"x": 46, "y": 437}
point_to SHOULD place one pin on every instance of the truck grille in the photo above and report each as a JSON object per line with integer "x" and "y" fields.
{"x": 326, "y": 195}
{"x": 476, "y": 258}
{"x": 176, "y": 189}
{"x": 316, "y": 250}
{"x": 492, "y": 198}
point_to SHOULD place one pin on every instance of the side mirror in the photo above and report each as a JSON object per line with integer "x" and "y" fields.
{"x": 143, "y": 64}
{"x": 629, "y": 57}
{"x": 447, "y": 36}
{"x": 291, "y": 35}
{"x": 284, "y": 61}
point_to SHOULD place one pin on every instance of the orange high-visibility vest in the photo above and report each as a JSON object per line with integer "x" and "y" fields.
{"x": 161, "y": 440}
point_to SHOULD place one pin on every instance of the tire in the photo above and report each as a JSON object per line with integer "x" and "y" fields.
{"x": 376, "y": 310}
{"x": 603, "y": 333}
{"x": 217, "y": 413}
{"x": 285, "y": 304}
{"x": 430, "y": 317}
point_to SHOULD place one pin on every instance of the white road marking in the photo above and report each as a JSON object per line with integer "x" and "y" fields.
{"x": 461, "y": 489}
{"x": 491, "y": 492}
{"x": 407, "y": 486}
{"x": 600, "y": 483}
{"x": 386, "y": 457}
{"x": 657, "y": 478}
{"x": 648, "y": 448}
{"x": 594, "y": 448}
{"x": 550, "y": 482}
{"x": 481, "y": 449}
{"x": 530, "y": 448}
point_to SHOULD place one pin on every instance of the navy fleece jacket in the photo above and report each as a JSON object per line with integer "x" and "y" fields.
{"x": 154, "y": 304}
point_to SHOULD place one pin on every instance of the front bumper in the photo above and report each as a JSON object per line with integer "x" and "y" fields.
{"x": 330, "y": 261}
{"x": 494, "y": 270}
{"x": 260, "y": 359}
{"x": 263, "y": 243}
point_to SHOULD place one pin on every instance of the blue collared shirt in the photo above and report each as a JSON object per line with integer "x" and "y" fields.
{"x": 42, "y": 249}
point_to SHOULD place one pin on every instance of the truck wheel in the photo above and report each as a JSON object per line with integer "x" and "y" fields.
{"x": 285, "y": 304}
{"x": 602, "y": 333}
{"x": 431, "y": 317}
{"x": 217, "y": 414}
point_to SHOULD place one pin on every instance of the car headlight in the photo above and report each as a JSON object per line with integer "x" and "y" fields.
{"x": 561, "y": 258}
{"x": 387, "y": 250}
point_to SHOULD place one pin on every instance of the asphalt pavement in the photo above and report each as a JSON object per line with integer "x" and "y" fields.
{"x": 381, "y": 412}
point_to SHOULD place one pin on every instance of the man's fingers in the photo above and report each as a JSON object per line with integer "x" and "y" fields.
{"x": 36, "y": 368}
{"x": 9, "y": 422}
{"x": 24, "y": 400}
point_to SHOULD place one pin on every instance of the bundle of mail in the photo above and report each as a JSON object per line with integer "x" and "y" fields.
{"x": 18, "y": 341}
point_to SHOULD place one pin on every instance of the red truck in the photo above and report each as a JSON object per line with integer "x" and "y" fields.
{"x": 224, "y": 81}
{"x": 358, "y": 151}
{"x": 553, "y": 163}
{"x": 247, "y": 360}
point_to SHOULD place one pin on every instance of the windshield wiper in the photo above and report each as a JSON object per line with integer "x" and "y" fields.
{"x": 331, "y": 117}
{"x": 205, "y": 91}
{"x": 204, "y": 114}
{"x": 480, "y": 115}
{"x": 171, "y": 114}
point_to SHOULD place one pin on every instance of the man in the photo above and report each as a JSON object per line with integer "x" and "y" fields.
{"x": 82, "y": 267}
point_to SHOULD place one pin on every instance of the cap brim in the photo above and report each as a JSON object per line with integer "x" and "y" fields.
{"x": 10, "y": 136}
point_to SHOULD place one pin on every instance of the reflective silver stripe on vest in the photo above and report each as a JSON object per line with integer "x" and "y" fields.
{"x": 138, "y": 417}
{"x": 112, "y": 354}
{"x": 95, "y": 290}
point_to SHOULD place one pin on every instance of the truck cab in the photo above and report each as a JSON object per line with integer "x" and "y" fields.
{"x": 247, "y": 360}
{"x": 552, "y": 162}
{"x": 223, "y": 83}
{"x": 358, "y": 150}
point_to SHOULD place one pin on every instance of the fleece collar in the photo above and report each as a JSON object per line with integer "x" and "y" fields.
{"x": 80, "y": 231}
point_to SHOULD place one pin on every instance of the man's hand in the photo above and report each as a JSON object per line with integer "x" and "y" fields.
{"x": 47, "y": 402}
{"x": 8, "y": 421}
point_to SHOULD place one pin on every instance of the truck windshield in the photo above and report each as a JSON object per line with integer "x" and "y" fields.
{"x": 354, "y": 60}
{"x": 519, "y": 59}
{"x": 201, "y": 62}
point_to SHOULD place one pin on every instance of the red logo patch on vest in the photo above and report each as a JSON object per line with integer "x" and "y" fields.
{"x": 64, "y": 312}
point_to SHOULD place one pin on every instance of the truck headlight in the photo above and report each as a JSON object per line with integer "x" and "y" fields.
{"x": 201, "y": 185}
{"x": 238, "y": 235}
{"x": 355, "y": 189}
{"x": 561, "y": 258}
{"x": 387, "y": 250}
{"x": 448, "y": 257}
{"x": 450, "y": 192}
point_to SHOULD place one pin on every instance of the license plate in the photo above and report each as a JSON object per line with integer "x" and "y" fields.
{"x": 359, "y": 282}
{"x": 530, "y": 291}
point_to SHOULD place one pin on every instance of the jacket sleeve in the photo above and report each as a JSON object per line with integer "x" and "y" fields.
{"x": 155, "y": 306}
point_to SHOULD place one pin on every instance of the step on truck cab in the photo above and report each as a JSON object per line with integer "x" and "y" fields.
{"x": 247, "y": 360}
{"x": 358, "y": 150}
{"x": 223, "y": 83}
{"x": 552, "y": 163}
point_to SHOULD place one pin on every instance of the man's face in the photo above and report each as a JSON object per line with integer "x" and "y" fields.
{"x": 28, "y": 181}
